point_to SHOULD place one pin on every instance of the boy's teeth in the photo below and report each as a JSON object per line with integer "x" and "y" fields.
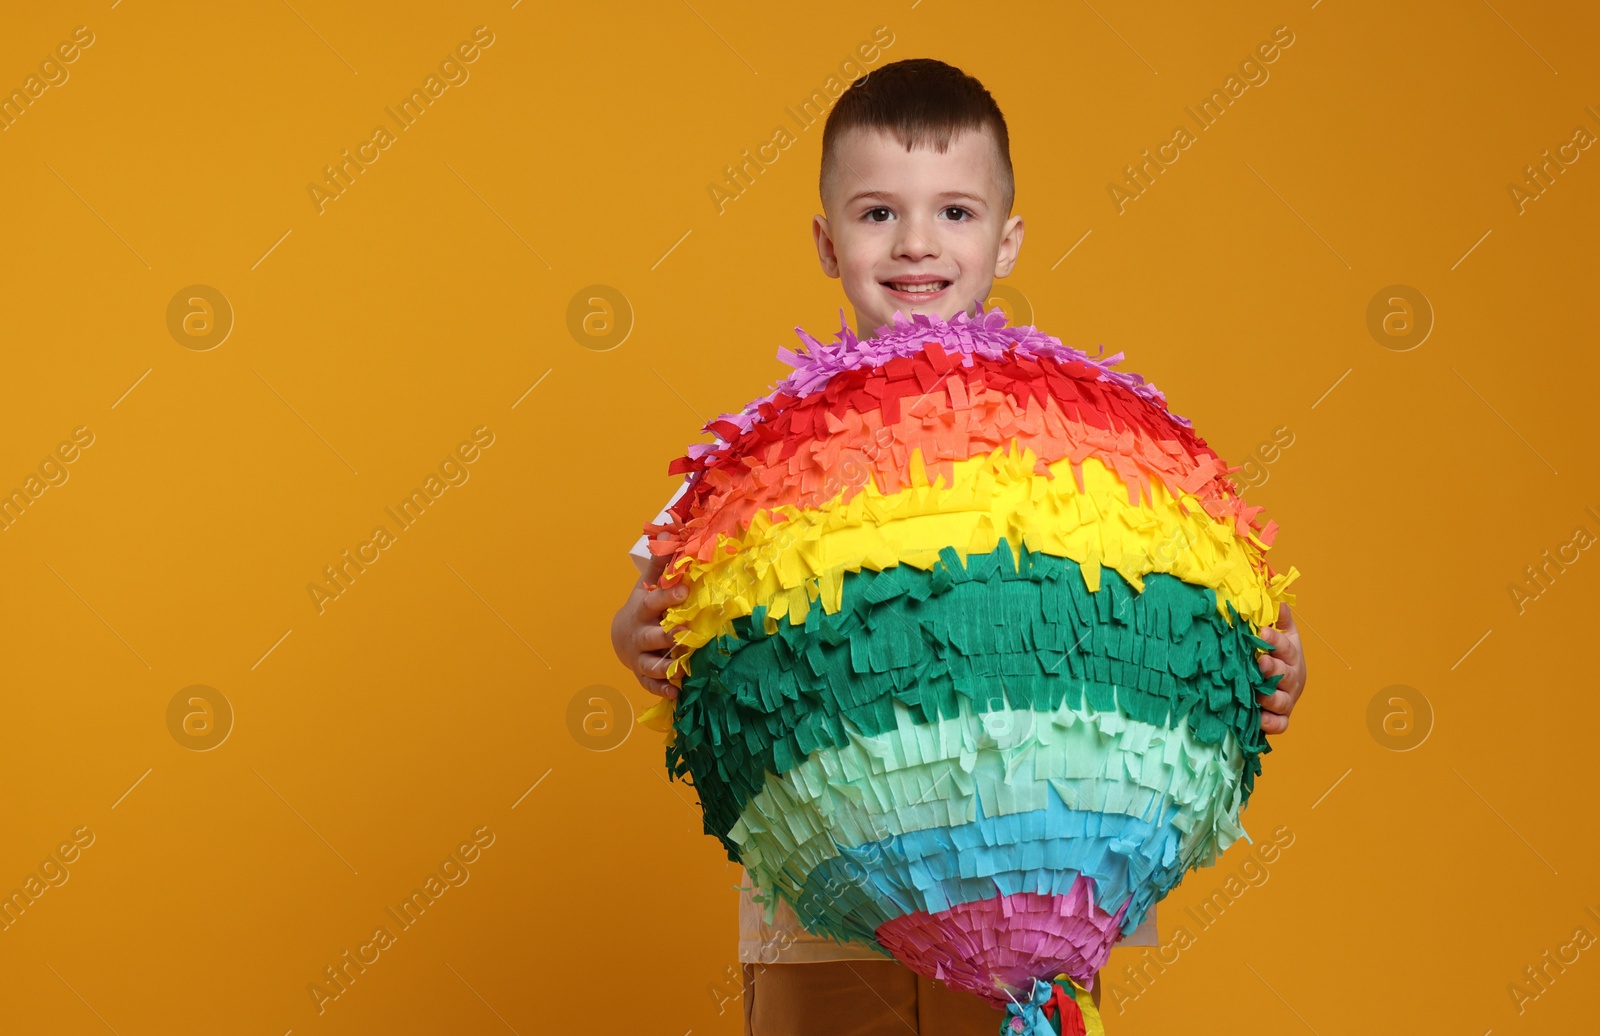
{"x": 933, "y": 286}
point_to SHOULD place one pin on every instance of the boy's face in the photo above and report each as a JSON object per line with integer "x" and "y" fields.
{"x": 899, "y": 217}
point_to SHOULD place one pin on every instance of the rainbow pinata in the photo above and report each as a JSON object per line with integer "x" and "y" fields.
{"x": 969, "y": 668}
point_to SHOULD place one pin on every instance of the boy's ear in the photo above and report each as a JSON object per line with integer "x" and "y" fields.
{"x": 1010, "y": 244}
{"x": 824, "y": 239}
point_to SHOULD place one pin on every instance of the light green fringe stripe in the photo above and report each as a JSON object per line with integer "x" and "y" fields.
{"x": 926, "y": 775}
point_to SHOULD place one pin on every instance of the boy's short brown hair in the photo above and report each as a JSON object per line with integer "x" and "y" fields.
{"x": 923, "y": 102}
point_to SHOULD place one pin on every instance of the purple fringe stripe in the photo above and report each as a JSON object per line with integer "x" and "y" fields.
{"x": 984, "y": 335}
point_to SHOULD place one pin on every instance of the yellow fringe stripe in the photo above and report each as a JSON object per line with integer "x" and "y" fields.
{"x": 792, "y": 558}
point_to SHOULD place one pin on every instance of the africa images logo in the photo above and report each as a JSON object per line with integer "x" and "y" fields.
{"x": 453, "y": 471}
{"x": 341, "y": 177}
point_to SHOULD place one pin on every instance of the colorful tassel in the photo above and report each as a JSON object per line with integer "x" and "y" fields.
{"x": 1058, "y": 1008}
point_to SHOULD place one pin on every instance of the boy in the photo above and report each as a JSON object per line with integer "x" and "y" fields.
{"x": 917, "y": 185}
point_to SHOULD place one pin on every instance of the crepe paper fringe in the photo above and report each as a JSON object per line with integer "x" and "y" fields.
{"x": 995, "y": 948}
{"x": 788, "y": 560}
{"x": 1058, "y": 1008}
{"x": 658, "y": 717}
{"x": 846, "y": 860}
{"x": 995, "y": 527}
{"x": 1132, "y": 862}
{"x": 876, "y": 415}
{"x": 922, "y": 775}
{"x": 867, "y": 423}
{"x": 983, "y": 335}
{"x": 995, "y": 634}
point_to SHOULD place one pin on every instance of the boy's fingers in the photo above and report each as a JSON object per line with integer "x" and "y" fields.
{"x": 657, "y": 601}
{"x": 1272, "y": 723}
{"x": 655, "y": 638}
{"x": 1287, "y": 630}
{"x": 660, "y": 687}
{"x": 1280, "y": 702}
{"x": 1285, "y": 645}
{"x": 654, "y": 665}
{"x": 1271, "y": 666}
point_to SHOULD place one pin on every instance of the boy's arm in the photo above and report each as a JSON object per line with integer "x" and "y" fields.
{"x": 636, "y": 634}
{"x": 1286, "y": 658}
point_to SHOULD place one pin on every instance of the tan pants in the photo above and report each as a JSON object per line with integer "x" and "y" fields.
{"x": 861, "y": 998}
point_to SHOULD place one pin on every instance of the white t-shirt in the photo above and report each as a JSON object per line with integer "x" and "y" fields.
{"x": 785, "y": 940}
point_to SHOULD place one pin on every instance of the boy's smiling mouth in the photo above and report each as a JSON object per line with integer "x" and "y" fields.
{"x": 918, "y": 287}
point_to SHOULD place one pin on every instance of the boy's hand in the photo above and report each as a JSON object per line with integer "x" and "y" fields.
{"x": 1285, "y": 657}
{"x": 636, "y": 634}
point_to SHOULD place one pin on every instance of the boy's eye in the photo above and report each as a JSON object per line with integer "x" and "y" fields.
{"x": 869, "y": 213}
{"x": 956, "y": 208}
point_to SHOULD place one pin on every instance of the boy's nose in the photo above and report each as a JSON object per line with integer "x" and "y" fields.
{"x": 915, "y": 243}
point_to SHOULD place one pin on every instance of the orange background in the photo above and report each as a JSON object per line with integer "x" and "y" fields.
{"x": 369, "y": 741}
